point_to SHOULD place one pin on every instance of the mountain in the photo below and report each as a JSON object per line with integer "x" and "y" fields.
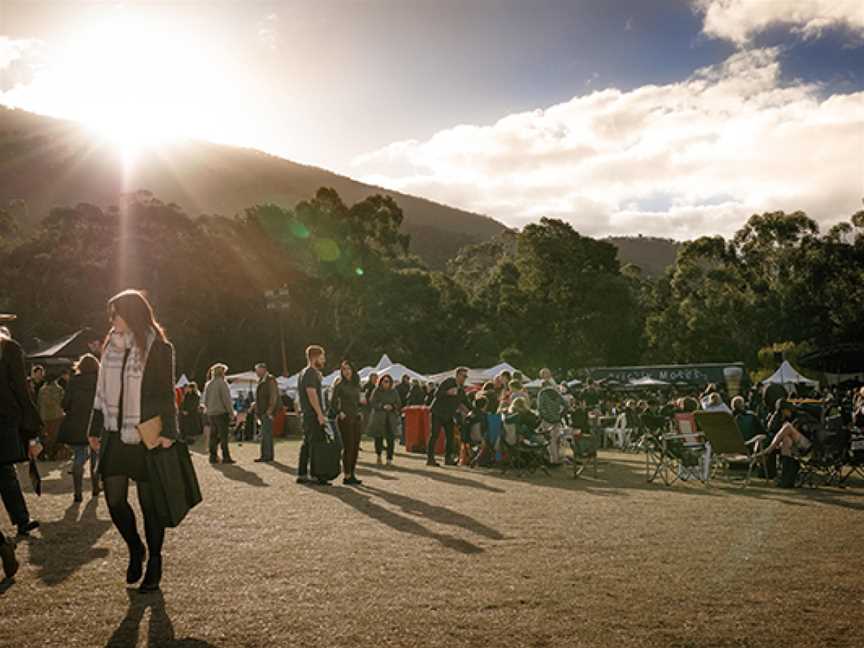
{"x": 47, "y": 162}
{"x": 652, "y": 255}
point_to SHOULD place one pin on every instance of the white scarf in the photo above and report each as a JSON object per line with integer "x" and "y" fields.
{"x": 112, "y": 377}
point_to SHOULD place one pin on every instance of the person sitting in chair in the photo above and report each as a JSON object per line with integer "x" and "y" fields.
{"x": 788, "y": 439}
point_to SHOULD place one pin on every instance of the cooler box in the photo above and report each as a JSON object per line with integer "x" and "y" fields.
{"x": 418, "y": 424}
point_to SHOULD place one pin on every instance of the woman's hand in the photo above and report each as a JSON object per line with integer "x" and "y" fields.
{"x": 95, "y": 443}
{"x": 342, "y": 416}
{"x": 165, "y": 442}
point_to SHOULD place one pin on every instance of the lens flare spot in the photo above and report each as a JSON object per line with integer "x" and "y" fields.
{"x": 299, "y": 230}
{"x": 359, "y": 272}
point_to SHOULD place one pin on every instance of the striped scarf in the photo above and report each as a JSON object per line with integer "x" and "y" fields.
{"x": 112, "y": 378}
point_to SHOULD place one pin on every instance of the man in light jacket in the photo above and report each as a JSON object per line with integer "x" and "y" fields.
{"x": 219, "y": 410}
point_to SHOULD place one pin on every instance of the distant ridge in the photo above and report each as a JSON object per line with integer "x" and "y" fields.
{"x": 47, "y": 162}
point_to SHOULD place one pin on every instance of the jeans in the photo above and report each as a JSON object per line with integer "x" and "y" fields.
{"x": 266, "y": 438}
{"x": 219, "y": 436}
{"x": 379, "y": 445}
{"x": 310, "y": 428}
{"x": 437, "y": 424}
{"x": 349, "y": 429}
{"x": 80, "y": 455}
{"x": 13, "y": 498}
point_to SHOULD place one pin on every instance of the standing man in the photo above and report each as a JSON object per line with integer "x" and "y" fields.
{"x": 448, "y": 398}
{"x": 19, "y": 431}
{"x": 551, "y": 407}
{"x": 219, "y": 410}
{"x": 266, "y": 403}
{"x": 311, "y": 407}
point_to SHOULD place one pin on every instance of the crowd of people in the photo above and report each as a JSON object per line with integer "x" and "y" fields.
{"x": 97, "y": 411}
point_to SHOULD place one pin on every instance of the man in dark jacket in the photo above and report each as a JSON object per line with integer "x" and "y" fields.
{"x": 449, "y": 396}
{"x": 19, "y": 428}
{"x": 266, "y": 403}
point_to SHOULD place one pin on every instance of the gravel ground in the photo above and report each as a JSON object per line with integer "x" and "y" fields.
{"x": 451, "y": 557}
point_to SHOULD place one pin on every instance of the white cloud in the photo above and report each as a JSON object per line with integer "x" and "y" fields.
{"x": 739, "y": 20}
{"x": 682, "y": 159}
{"x": 13, "y": 49}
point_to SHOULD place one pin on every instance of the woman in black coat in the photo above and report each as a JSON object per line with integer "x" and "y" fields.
{"x": 135, "y": 386}
{"x": 191, "y": 425}
{"x": 78, "y": 406}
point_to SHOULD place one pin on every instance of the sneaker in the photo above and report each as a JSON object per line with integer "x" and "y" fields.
{"x": 7, "y": 555}
{"x": 214, "y": 460}
{"x": 352, "y": 481}
{"x": 322, "y": 482}
{"x": 229, "y": 460}
{"x": 432, "y": 463}
{"x": 389, "y": 463}
{"x": 379, "y": 461}
{"x": 302, "y": 479}
{"x": 449, "y": 461}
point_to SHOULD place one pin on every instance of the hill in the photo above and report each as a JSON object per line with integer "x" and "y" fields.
{"x": 46, "y": 162}
{"x": 652, "y": 255}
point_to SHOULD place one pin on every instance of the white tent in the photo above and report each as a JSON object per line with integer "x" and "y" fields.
{"x": 240, "y": 383}
{"x": 648, "y": 381}
{"x": 476, "y": 376}
{"x": 182, "y": 382}
{"x": 787, "y": 375}
{"x": 398, "y": 371}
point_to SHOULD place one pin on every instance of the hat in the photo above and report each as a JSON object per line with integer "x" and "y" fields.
{"x": 7, "y": 317}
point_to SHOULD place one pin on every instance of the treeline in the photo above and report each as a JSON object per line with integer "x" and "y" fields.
{"x": 543, "y": 296}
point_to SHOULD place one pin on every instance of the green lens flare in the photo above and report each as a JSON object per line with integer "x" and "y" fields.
{"x": 327, "y": 250}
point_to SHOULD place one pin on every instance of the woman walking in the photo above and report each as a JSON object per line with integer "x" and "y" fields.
{"x": 191, "y": 426}
{"x": 135, "y": 385}
{"x": 78, "y": 405}
{"x": 385, "y": 417}
{"x": 345, "y": 408}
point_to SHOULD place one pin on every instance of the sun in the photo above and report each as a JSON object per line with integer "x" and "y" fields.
{"x": 128, "y": 75}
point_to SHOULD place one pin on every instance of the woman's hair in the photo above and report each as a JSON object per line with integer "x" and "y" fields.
{"x": 518, "y": 405}
{"x": 218, "y": 370}
{"x": 137, "y": 312}
{"x": 355, "y": 378}
{"x": 738, "y": 404}
{"x": 384, "y": 377}
{"x": 87, "y": 364}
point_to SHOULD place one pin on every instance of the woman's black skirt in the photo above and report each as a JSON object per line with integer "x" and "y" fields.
{"x": 123, "y": 460}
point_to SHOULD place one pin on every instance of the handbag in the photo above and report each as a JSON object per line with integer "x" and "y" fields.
{"x": 174, "y": 483}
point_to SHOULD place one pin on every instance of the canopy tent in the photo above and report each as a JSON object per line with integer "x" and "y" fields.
{"x": 65, "y": 350}
{"x": 788, "y": 375}
{"x": 398, "y": 371}
{"x": 840, "y": 362}
{"x": 648, "y": 382}
{"x": 476, "y": 376}
{"x": 182, "y": 382}
{"x": 240, "y": 383}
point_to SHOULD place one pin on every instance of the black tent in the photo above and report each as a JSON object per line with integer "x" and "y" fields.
{"x": 65, "y": 350}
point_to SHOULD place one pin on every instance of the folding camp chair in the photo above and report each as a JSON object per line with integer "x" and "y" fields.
{"x": 823, "y": 464}
{"x": 727, "y": 447}
{"x": 671, "y": 456}
{"x": 855, "y": 455}
{"x": 622, "y": 433}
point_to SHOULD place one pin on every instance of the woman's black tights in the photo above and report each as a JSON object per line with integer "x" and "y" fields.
{"x": 117, "y": 497}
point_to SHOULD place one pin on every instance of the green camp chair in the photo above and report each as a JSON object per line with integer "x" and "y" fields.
{"x": 727, "y": 447}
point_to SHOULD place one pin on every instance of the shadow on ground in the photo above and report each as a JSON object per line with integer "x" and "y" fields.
{"x": 160, "y": 630}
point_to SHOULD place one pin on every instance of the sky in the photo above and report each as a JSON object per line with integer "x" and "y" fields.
{"x": 662, "y": 117}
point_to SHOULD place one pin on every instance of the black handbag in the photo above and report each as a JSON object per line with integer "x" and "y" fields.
{"x": 174, "y": 483}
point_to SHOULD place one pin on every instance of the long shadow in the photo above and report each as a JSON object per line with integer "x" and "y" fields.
{"x": 377, "y": 474}
{"x": 67, "y": 544}
{"x": 440, "y": 475}
{"x": 235, "y": 472}
{"x": 160, "y": 633}
{"x": 363, "y": 504}
{"x": 439, "y": 514}
{"x": 284, "y": 468}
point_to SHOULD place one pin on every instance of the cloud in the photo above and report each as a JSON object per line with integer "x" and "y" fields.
{"x": 268, "y": 33}
{"x": 727, "y": 142}
{"x": 740, "y": 20}
{"x": 18, "y": 60}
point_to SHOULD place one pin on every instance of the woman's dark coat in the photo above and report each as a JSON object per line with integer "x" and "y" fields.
{"x": 78, "y": 405}
{"x": 157, "y": 395}
{"x": 19, "y": 418}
